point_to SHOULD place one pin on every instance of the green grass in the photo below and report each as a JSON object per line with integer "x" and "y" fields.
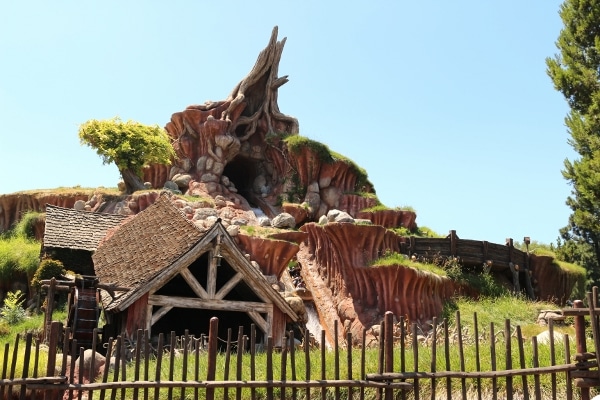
{"x": 18, "y": 256}
{"x": 496, "y": 310}
{"x": 381, "y": 207}
{"x": 397, "y": 259}
{"x": 421, "y": 231}
{"x": 32, "y": 324}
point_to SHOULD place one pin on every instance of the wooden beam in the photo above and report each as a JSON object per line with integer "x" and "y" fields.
{"x": 166, "y": 274}
{"x": 211, "y": 280}
{"x": 260, "y": 321}
{"x": 194, "y": 284}
{"x": 160, "y": 313}
{"x": 209, "y": 304}
{"x": 226, "y": 288}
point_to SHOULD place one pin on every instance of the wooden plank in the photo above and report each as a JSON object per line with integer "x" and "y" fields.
{"x": 161, "y": 312}
{"x": 252, "y": 359}
{"x": 194, "y": 284}
{"x": 212, "y": 304}
{"x": 433, "y": 365}
{"x": 269, "y": 366}
{"x": 493, "y": 360}
{"x": 461, "y": 353}
{"x": 349, "y": 362}
{"x": 567, "y": 347}
{"x": 283, "y": 367}
{"x": 172, "y": 351}
{"x": 415, "y": 346}
{"x": 159, "y": 356}
{"x": 238, "y": 368}
{"x": 536, "y": 364}
{"x": 508, "y": 358}
{"x": 522, "y": 361}
{"x": 477, "y": 353}
{"x": 230, "y": 284}
{"x": 447, "y": 359}
{"x": 552, "y": 356}
{"x": 259, "y": 320}
{"x": 27, "y": 356}
{"x": 227, "y": 360}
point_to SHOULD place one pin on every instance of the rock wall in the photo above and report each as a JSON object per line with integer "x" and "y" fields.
{"x": 551, "y": 282}
{"x": 340, "y": 253}
{"x": 13, "y": 206}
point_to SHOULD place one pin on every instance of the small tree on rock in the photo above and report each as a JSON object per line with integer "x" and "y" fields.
{"x": 130, "y": 145}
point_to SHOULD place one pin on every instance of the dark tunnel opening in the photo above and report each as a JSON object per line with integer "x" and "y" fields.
{"x": 242, "y": 172}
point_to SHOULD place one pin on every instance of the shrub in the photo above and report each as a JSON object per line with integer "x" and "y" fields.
{"x": 26, "y": 226}
{"x": 12, "y": 311}
{"x": 48, "y": 269}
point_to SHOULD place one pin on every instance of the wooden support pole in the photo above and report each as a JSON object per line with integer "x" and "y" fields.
{"x": 211, "y": 367}
{"x": 49, "y": 309}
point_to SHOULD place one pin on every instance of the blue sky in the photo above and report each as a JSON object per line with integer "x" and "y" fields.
{"x": 447, "y": 105}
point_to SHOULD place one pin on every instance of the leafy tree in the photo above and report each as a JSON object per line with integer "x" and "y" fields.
{"x": 130, "y": 145}
{"x": 575, "y": 72}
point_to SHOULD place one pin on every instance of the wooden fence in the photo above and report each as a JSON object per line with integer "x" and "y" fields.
{"x": 448, "y": 362}
{"x": 471, "y": 252}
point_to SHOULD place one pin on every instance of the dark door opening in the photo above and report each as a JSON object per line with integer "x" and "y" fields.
{"x": 197, "y": 322}
{"x": 242, "y": 172}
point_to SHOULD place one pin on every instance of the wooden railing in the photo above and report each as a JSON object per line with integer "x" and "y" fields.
{"x": 470, "y": 252}
{"x": 447, "y": 362}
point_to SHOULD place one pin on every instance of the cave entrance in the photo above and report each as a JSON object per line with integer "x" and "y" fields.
{"x": 242, "y": 171}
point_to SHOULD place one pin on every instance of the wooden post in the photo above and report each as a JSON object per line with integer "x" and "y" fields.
{"x": 55, "y": 331}
{"x": 211, "y": 367}
{"x": 580, "y": 342}
{"x": 453, "y": 239}
{"x": 388, "y": 345}
{"x": 49, "y": 309}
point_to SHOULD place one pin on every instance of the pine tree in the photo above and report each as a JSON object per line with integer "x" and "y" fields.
{"x": 575, "y": 72}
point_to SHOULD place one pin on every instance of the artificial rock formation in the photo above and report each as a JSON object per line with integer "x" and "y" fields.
{"x": 237, "y": 148}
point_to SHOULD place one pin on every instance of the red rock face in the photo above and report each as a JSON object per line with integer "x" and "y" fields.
{"x": 391, "y": 218}
{"x": 341, "y": 254}
{"x": 272, "y": 255}
{"x": 550, "y": 282}
{"x": 13, "y": 206}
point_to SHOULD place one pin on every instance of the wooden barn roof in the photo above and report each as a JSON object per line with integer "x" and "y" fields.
{"x": 78, "y": 230}
{"x": 158, "y": 242}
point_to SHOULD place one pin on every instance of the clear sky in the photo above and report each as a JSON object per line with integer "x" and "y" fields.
{"x": 446, "y": 104}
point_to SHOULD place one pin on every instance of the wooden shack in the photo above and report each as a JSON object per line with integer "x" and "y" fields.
{"x": 71, "y": 236}
{"x": 178, "y": 277}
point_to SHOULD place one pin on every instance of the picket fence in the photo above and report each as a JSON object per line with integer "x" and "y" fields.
{"x": 229, "y": 368}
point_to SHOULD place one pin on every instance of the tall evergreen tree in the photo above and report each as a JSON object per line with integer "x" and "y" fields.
{"x": 575, "y": 72}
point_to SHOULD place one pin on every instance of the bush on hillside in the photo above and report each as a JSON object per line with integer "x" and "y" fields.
{"x": 26, "y": 226}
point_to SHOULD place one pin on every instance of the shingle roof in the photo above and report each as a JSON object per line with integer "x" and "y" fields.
{"x": 79, "y": 230}
{"x": 144, "y": 246}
